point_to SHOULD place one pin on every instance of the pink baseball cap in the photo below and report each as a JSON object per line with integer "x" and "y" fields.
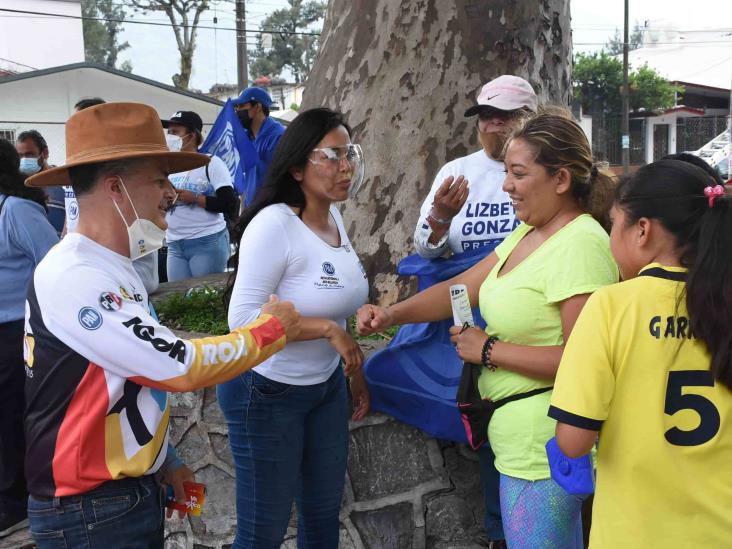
{"x": 506, "y": 93}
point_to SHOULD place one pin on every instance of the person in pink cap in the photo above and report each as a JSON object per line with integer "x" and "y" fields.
{"x": 467, "y": 210}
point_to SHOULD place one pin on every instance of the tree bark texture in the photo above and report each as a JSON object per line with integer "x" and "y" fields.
{"x": 403, "y": 72}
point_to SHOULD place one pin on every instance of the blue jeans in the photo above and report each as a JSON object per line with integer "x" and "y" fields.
{"x": 289, "y": 442}
{"x": 490, "y": 480}
{"x": 119, "y": 514}
{"x": 198, "y": 256}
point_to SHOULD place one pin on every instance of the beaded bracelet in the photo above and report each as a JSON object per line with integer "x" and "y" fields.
{"x": 485, "y": 354}
{"x": 438, "y": 219}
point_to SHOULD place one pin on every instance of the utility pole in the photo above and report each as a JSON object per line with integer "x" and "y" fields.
{"x": 242, "y": 60}
{"x": 626, "y": 106}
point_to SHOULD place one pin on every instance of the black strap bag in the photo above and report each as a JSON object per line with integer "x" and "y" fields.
{"x": 475, "y": 411}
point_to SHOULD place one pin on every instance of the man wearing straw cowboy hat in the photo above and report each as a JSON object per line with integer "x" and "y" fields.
{"x": 98, "y": 366}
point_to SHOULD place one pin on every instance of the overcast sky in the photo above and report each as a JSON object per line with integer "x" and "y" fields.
{"x": 153, "y": 52}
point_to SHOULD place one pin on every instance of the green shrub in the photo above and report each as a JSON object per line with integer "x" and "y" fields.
{"x": 199, "y": 310}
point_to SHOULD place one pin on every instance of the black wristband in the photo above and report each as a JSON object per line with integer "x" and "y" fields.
{"x": 485, "y": 354}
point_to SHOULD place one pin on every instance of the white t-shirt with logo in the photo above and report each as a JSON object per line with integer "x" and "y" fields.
{"x": 485, "y": 219}
{"x": 280, "y": 255}
{"x": 72, "y": 209}
{"x": 192, "y": 221}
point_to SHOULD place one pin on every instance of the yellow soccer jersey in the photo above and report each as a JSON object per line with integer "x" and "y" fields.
{"x": 633, "y": 371}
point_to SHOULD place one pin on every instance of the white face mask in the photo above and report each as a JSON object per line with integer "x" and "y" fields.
{"x": 145, "y": 236}
{"x": 175, "y": 143}
{"x": 29, "y": 166}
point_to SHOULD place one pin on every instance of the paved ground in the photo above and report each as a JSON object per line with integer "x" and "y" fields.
{"x": 17, "y": 540}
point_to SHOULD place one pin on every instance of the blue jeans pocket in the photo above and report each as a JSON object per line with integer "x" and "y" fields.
{"x": 113, "y": 507}
{"x": 269, "y": 388}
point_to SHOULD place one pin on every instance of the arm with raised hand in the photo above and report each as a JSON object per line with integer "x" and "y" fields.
{"x": 128, "y": 342}
{"x": 442, "y": 203}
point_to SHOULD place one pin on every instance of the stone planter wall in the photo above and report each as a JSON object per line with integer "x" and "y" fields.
{"x": 403, "y": 489}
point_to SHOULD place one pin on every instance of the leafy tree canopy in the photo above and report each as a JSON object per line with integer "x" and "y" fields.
{"x": 101, "y": 27}
{"x": 598, "y": 79}
{"x": 292, "y": 52}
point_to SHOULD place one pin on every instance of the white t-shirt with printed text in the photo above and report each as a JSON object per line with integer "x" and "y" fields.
{"x": 192, "y": 221}
{"x": 279, "y": 254}
{"x": 72, "y": 209}
{"x": 485, "y": 219}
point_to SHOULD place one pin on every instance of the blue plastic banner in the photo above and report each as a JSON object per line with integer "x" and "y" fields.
{"x": 415, "y": 379}
{"x": 229, "y": 141}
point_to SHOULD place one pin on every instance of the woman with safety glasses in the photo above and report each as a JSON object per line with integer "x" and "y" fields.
{"x": 288, "y": 424}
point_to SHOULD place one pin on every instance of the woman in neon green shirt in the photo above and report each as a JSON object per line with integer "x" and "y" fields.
{"x": 530, "y": 291}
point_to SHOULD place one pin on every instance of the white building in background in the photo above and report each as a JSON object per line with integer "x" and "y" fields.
{"x": 699, "y": 62}
{"x": 31, "y": 41}
{"x": 44, "y": 100}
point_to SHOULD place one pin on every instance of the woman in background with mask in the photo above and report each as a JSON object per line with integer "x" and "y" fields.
{"x": 288, "y": 420}
{"x": 25, "y": 237}
{"x": 197, "y": 236}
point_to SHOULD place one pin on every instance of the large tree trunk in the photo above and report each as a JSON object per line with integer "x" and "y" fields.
{"x": 404, "y": 72}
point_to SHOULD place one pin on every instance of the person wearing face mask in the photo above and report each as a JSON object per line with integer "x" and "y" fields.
{"x": 147, "y": 265}
{"x": 467, "y": 209}
{"x": 197, "y": 236}
{"x": 98, "y": 365}
{"x": 25, "y": 238}
{"x": 252, "y": 108}
{"x": 33, "y": 151}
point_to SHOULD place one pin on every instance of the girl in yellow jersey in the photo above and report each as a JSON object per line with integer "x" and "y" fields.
{"x": 649, "y": 367}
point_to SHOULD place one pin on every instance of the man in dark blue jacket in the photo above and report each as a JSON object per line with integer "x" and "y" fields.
{"x": 252, "y": 107}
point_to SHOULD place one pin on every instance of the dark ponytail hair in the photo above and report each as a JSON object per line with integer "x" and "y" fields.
{"x": 673, "y": 192}
{"x": 12, "y": 182}
{"x": 301, "y": 137}
{"x": 560, "y": 142}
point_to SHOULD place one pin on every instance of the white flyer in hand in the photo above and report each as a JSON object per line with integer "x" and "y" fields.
{"x": 461, "y": 312}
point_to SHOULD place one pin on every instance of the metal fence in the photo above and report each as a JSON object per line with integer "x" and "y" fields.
{"x": 606, "y": 139}
{"x": 693, "y": 133}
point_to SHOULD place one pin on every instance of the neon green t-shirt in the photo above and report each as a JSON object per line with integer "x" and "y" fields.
{"x": 522, "y": 307}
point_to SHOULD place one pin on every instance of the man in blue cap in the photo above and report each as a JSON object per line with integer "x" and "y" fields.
{"x": 252, "y": 108}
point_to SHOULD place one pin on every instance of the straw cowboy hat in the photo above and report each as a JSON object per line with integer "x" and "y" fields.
{"x": 115, "y": 131}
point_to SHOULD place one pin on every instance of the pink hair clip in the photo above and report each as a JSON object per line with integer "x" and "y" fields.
{"x": 712, "y": 193}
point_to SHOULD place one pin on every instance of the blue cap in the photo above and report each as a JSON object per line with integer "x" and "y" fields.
{"x": 253, "y": 94}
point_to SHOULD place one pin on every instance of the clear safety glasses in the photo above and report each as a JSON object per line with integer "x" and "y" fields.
{"x": 334, "y": 157}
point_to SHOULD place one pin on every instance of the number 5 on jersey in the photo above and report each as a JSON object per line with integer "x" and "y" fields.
{"x": 676, "y": 401}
